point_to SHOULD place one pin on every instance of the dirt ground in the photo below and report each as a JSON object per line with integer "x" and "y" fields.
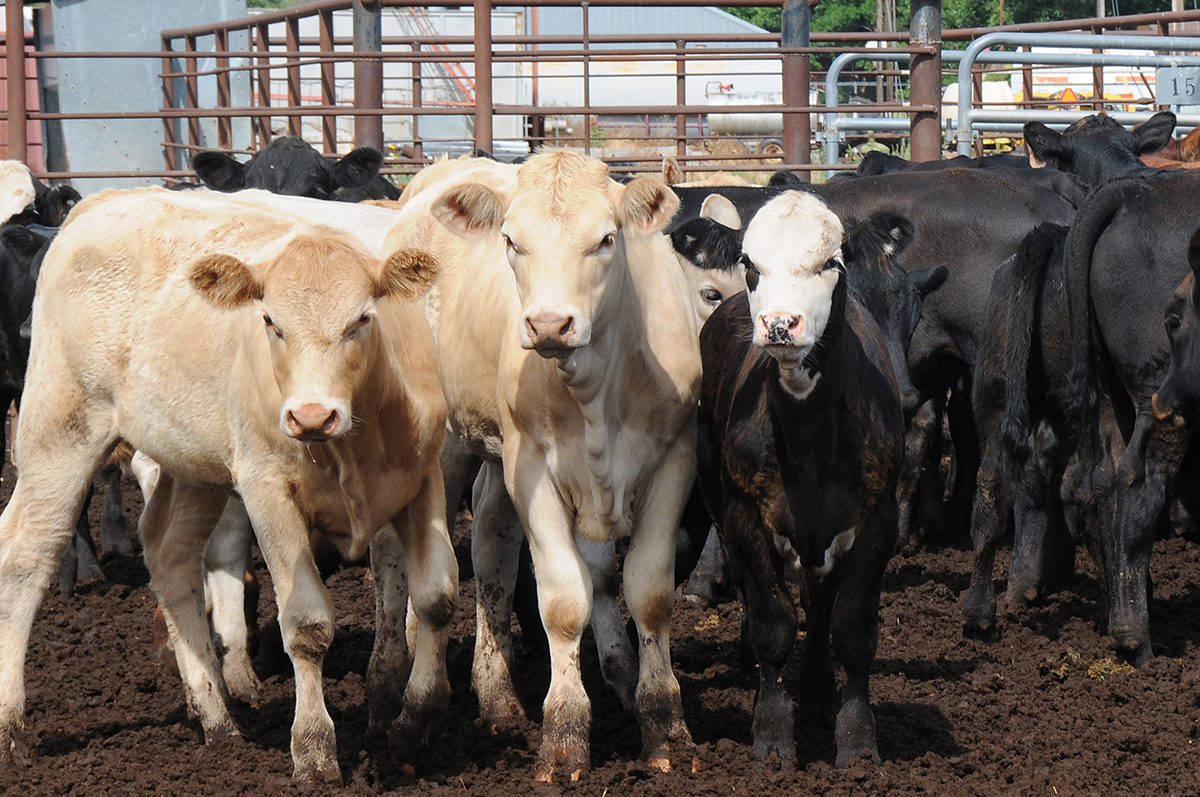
{"x": 1041, "y": 711}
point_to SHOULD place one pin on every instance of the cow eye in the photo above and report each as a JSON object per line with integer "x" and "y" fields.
{"x": 358, "y": 326}
{"x": 605, "y": 243}
{"x": 711, "y": 296}
{"x": 270, "y": 325}
{"x": 752, "y": 273}
{"x": 833, "y": 262}
{"x": 1172, "y": 324}
{"x": 512, "y": 247}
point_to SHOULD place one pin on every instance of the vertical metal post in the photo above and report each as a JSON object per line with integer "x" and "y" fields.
{"x": 170, "y": 153}
{"x": 292, "y": 42}
{"x": 797, "y": 127}
{"x": 192, "y": 82}
{"x": 225, "y": 123}
{"x": 417, "y": 101}
{"x": 328, "y": 84}
{"x": 680, "y": 100}
{"x": 585, "y": 43}
{"x": 14, "y": 59}
{"x": 1027, "y": 82}
{"x": 483, "y": 75}
{"x": 368, "y": 75}
{"x": 263, "y": 45}
{"x": 925, "y": 78}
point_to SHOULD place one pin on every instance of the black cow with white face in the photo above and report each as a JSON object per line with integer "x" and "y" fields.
{"x": 802, "y": 434}
{"x": 290, "y": 165}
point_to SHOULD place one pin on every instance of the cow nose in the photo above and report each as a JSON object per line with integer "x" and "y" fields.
{"x": 312, "y": 422}
{"x": 549, "y": 329}
{"x": 781, "y": 327}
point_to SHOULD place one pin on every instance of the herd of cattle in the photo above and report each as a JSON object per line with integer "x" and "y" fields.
{"x": 613, "y": 370}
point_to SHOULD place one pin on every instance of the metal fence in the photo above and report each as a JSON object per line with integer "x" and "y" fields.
{"x": 300, "y": 71}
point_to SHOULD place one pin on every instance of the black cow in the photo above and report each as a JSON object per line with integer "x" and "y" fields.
{"x": 1178, "y": 398}
{"x": 801, "y": 437}
{"x": 290, "y": 165}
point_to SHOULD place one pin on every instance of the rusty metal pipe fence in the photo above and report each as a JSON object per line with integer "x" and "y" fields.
{"x": 294, "y": 72}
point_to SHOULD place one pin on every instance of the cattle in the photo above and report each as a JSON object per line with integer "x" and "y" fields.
{"x": 316, "y": 397}
{"x": 1178, "y": 397}
{"x": 801, "y": 441}
{"x": 17, "y": 190}
{"x": 290, "y": 165}
{"x": 564, "y": 316}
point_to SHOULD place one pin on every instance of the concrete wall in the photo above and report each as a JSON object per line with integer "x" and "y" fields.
{"x": 128, "y": 84}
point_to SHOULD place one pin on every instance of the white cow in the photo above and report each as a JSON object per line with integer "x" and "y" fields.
{"x": 569, "y": 349}
{"x": 238, "y": 349}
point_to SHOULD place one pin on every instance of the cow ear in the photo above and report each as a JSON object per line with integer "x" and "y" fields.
{"x": 1189, "y": 147}
{"x": 928, "y": 280}
{"x": 225, "y": 281}
{"x": 721, "y": 210}
{"x": 55, "y": 203}
{"x": 470, "y": 210}
{"x": 22, "y": 242}
{"x": 672, "y": 174}
{"x": 406, "y": 275}
{"x": 1044, "y": 145}
{"x": 646, "y": 205}
{"x": 219, "y": 171}
{"x": 357, "y": 167}
{"x": 1154, "y": 133}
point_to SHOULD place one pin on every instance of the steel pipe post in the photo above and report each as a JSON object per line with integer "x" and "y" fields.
{"x": 797, "y": 127}
{"x": 925, "y": 79}
{"x": 368, "y": 75}
{"x": 483, "y": 75}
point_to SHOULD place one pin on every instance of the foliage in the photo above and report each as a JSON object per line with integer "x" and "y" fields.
{"x": 859, "y": 15}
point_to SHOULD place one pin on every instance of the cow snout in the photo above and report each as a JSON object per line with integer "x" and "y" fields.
{"x": 550, "y": 331}
{"x": 312, "y": 422}
{"x": 781, "y": 328}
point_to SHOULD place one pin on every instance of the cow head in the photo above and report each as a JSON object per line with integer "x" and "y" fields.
{"x": 709, "y": 250}
{"x": 890, "y": 294}
{"x": 316, "y": 294}
{"x": 289, "y": 165}
{"x": 1097, "y": 148}
{"x": 1179, "y": 396}
{"x": 16, "y": 189}
{"x": 564, "y": 232}
{"x": 792, "y": 253}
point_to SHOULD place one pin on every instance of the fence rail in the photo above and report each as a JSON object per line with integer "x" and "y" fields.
{"x": 234, "y": 84}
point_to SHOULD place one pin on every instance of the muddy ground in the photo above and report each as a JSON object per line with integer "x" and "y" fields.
{"x": 1041, "y": 711}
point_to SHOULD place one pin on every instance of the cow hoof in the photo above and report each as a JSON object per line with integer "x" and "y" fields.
{"x": 419, "y": 723}
{"x": 981, "y": 628}
{"x": 774, "y": 749}
{"x": 503, "y": 718}
{"x": 848, "y": 757}
{"x": 17, "y": 747}
{"x": 567, "y": 760}
{"x": 314, "y": 756}
{"x": 242, "y": 682}
{"x": 319, "y": 772}
{"x": 220, "y": 733}
{"x": 1133, "y": 650}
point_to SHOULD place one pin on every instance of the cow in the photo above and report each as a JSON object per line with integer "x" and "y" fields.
{"x": 290, "y": 165}
{"x": 1178, "y": 397}
{"x": 570, "y": 359}
{"x": 802, "y": 435}
{"x": 315, "y": 396}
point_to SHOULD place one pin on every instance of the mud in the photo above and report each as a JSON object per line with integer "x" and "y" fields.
{"x": 1043, "y": 710}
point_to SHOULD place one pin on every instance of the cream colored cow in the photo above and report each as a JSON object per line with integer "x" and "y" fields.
{"x": 568, "y": 347}
{"x": 240, "y": 350}
{"x": 16, "y": 189}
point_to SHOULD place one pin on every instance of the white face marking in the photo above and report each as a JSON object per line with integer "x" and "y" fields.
{"x": 790, "y": 241}
{"x": 841, "y": 544}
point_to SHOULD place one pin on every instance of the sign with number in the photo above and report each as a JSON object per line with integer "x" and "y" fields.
{"x": 1178, "y": 85}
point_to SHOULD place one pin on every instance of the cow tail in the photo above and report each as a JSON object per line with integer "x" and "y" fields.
{"x": 1093, "y": 218}
{"x": 1029, "y": 277}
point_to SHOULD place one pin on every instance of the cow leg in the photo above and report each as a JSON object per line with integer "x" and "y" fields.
{"x": 618, "y": 661}
{"x": 818, "y": 687}
{"x": 432, "y": 574}
{"x": 63, "y": 443}
{"x": 116, "y": 538}
{"x": 496, "y": 536}
{"x": 855, "y": 629}
{"x": 1144, "y": 476}
{"x": 391, "y": 659}
{"x": 967, "y": 459}
{"x": 79, "y": 564}
{"x": 565, "y": 601}
{"x": 1043, "y": 554}
{"x": 175, "y": 528}
{"x": 922, "y": 433}
{"x": 459, "y": 468}
{"x": 225, "y": 560}
{"x": 305, "y": 620}
{"x": 771, "y": 622}
{"x": 994, "y": 494}
{"x": 931, "y": 490}
{"x": 709, "y": 581}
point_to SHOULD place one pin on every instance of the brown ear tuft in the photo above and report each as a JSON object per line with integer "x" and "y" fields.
{"x": 225, "y": 281}
{"x": 470, "y": 210}
{"x": 646, "y": 205}
{"x": 406, "y": 275}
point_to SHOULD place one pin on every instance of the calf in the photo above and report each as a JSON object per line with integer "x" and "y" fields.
{"x": 290, "y": 165}
{"x": 569, "y": 352}
{"x": 802, "y": 436}
{"x": 316, "y": 398}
